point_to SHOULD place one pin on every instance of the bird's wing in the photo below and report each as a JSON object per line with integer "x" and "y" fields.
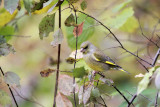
{"x": 101, "y": 57}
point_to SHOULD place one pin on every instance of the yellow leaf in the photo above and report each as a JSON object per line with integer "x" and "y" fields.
{"x": 45, "y": 9}
{"x": 6, "y": 17}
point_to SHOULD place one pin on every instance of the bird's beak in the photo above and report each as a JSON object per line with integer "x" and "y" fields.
{"x": 82, "y": 50}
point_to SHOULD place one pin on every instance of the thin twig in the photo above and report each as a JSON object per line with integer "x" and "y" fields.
{"x": 156, "y": 100}
{"x": 120, "y": 93}
{"x": 103, "y": 101}
{"x": 74, "y": 94}
{"x": 10, "y": 90}
{"x": 131, "y": 101}
{"x": 114, "y": 37}
{"x": 58, "y": 63}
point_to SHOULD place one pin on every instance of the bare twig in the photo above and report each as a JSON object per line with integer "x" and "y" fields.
{"x": 103, "y": 101}
{"x": 120, "y": 93}
{"x": 131, "y": 101}
{"x": 10, "y": 90}
{"x": 59, "y": 51}
{"x": 156, "y": 100}
{"x": 74, "y": 94}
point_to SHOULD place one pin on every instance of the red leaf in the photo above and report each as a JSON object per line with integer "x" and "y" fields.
{"x": 78, "y": 29}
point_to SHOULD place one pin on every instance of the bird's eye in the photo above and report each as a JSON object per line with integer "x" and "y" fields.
{"x": 86, "y": 47}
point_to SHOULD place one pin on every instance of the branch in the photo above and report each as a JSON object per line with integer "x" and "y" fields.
{"x": 103, "y": 101}
{"x": 156, "y": 101}
{"x": 120, "y": 93}
{"x": 58, "y": 63}
{"x": 74, "y": 94}
{"x": 131, "y": 101}
{"x": 114, "y": 36}
{"x": 10, "y": 90}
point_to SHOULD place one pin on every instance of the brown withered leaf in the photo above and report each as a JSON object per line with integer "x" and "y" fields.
{"x": 66, "y": 85}
{"x": 78, "y": 30}
{"x": 47, "y": 72}
{"x": 62, "y": 101}
{"x": 71, "y": 60}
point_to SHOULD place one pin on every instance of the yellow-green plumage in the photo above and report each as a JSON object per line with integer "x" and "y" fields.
{"x": 96, "y": 59}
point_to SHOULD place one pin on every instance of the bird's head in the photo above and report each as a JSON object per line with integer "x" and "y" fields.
{"x": 87, "y": 48}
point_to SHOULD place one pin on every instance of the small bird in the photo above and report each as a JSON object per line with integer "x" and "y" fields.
{"x": 96, "y": 59}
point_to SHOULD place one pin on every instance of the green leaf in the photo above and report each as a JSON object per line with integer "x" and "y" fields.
{"x": 120, "y": 19}
{"x": 7, "y": 32}
{"x": 46, "y": 25}
{"x": 70, "y": 21}
{"x": 157, "y": 79}
{"x": 143, "y": 84}
{"x": 95, "y": 92}
{"x": 84, "y": 5}
{"x": 72, "y": 1}
{"x": 120, "y": 6}
{"x": 87, "y": 94}
{"x": 88, "y": 31}
{"x": 58, "y": 37}
{"x": 11, "y": 5}
{"x": 27, "y": 5}
{"x": 11, "y": 78}
{"x": 5, "y": 99}
{"x": 130, "y": 25}
{"x": 79, "y": 72}
{"x": 38, "y": 5}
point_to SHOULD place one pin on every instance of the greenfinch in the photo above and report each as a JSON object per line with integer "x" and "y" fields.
{"x": 96, "y": 59}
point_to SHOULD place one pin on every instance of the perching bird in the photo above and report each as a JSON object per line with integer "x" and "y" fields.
{"x": 96, "y": 59}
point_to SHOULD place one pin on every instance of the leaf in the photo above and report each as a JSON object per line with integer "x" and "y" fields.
{"x": 96, "y": 93}
{"x": 79, "y": 72}
{"x": 80, "y": 94}
{"x": 86, "y": 34}
{"x": 71, "y": 60}
{"x": 5, "y": 49}
{"x": 38, "y": 5}
{"x": 107, "y": 81}
{"x": 66, "y": 84}
{"x": 11, "y": 78}
{"x": 11, "y": 5}
{"x": 139, "y": 75}
{"x": 70, "y": 21}
{"x": 157, "y": 79}
{"x": 5, "y": 99}
{"x": 87, "y": 94}
{"x": 120, "y": 6}
{"x": 130, "y": 25}
{"x": 6, "y": 17}
{"x": 47, "y": 72}
{"x": 72, "y": 1}
{"x": 27, "y": 5}
{"x": 145, "y": 81}
{"x": 58, "y": 37}
{"x": 78, "y": 29}
{"x": 7, "y": 32}
{"x": 62, "y": 101}
{"x": 84, "y": 5}
{"x": 79, "y": 54}
{"x": 46, "y": 25}
{"x": 120, "y": 19}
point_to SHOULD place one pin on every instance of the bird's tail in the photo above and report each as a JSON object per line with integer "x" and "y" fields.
{"x": 120, "y": 69}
